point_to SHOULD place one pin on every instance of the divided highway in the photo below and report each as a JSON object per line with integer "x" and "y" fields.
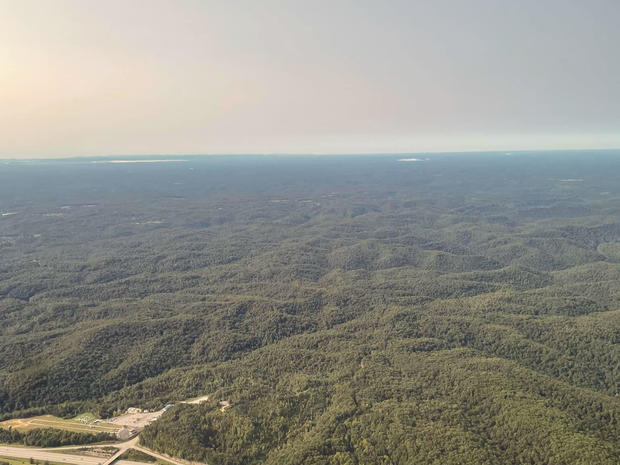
{"x": 56, "y": 455}
{"x": 52, "y": 455}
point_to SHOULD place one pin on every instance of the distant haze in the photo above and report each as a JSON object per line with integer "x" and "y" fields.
{"x": 181, "y": 77}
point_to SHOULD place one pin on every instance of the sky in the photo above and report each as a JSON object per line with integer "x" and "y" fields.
{"x": 92, "y": 77}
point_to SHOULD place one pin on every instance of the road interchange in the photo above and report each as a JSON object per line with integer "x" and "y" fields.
{"x": 56, "y": 454}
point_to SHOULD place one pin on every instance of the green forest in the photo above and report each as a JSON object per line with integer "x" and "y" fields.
{"x": 50, "y": 437}
{"x": 463, "y": 309}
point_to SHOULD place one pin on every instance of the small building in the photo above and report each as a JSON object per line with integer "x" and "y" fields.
{"x": 134, "y": 410}
{"x": 167, "y": 407}
{"x": 124, "y": 434}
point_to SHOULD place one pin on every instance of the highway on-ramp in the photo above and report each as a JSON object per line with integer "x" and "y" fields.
{"x": 56, "y": 455}
{"x": 42, "y": 454}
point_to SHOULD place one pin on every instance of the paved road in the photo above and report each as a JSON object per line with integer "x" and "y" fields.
{"x": 159, "y": 456}
{"x": 42, "y": 454}
{"x": 56, "y": 455}
{"x": 74, "y": 459}
{"x": 122, "y": 447}
{"x": 199, "y": 400}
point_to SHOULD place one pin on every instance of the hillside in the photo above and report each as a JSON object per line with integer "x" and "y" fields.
{"x": 464, "y": 309}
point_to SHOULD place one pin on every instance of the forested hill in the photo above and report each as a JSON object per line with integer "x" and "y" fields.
{"x": 458, "y": 309}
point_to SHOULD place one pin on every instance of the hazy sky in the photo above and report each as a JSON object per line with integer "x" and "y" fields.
{"x": 256, "y": 76}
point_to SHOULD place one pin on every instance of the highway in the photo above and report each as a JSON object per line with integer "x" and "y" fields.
{"x": 43, "y": 454}
{"x": 56, "y": 454}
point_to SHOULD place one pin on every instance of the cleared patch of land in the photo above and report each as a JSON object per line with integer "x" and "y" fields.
{"x": 134, "y": 420}
{"x": 197, "y": 400}
{"x": 81, "y": 424}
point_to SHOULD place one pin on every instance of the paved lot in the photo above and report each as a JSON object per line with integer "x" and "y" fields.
{"x": 50, "y": 421}
{"x": 134, "y": 420}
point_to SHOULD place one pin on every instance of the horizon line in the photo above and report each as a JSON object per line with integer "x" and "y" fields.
{"x": 321, "y": 154}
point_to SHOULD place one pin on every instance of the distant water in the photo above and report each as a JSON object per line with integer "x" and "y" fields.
{"x": 136, "y": 161}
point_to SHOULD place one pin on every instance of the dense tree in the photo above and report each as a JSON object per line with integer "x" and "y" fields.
{"x": 352, "y": 310}
{"x": 50, "y": 437}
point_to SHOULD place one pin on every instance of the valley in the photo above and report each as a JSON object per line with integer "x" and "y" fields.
{"x": 459, "y": 309}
